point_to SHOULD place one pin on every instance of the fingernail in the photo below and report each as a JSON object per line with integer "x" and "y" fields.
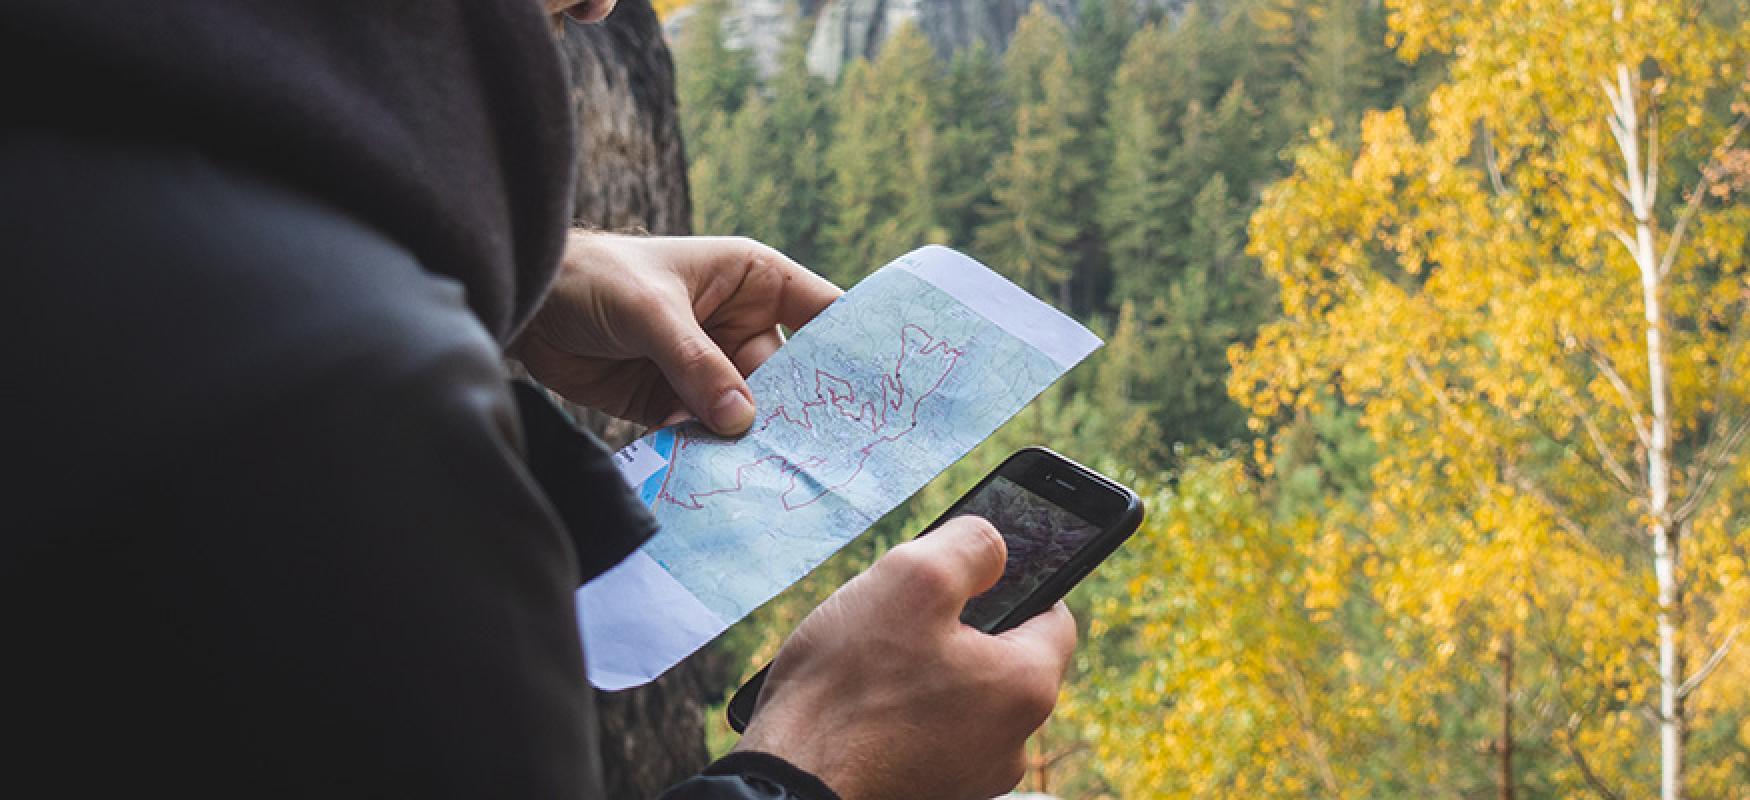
{"x": 733, "y": 413}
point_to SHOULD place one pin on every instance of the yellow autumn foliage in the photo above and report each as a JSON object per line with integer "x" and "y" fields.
{"x": 1461, "y": 282}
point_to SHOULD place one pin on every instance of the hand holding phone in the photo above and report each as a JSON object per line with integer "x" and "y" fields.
{"x": 882, "y": 692}
{"x": 1058, "y": 520}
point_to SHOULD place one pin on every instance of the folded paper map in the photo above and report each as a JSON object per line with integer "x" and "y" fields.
{"x": 890, "y": 385}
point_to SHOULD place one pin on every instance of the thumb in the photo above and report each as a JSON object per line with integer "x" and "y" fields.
{"x": 951, "y": 564}
{"x": 703, "y": 377}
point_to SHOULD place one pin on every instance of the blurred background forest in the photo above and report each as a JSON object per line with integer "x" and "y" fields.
{"x": 1425, "y": 339}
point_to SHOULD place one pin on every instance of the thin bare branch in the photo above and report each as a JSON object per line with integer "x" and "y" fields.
{"x": 1726, "y": 434}
{"x": 1593, "y": 782}
{"x": 1650, "y": 713}
{"x": 1714, "y": 464}
{"x": 1627, "y": 242}
{"x": 1696, "y": 195}
{"x": 1627, "y": 395}
{"x": 1301, "y": 706}
{"x": 1651, "y": 186}
{"x": 1607, "y": 458}
{"x": 1712, "y": 663}
{"x": 1621, "y": 189}
{"x": 1509, "y": 469}
{"x": 1559, "y": 664}
{"x": 1494, "y": 168}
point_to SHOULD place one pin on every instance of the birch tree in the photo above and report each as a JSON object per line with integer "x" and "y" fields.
{"x": 1535, "y": 295}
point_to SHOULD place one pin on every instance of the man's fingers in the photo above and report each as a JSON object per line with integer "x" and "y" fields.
{"x": 799, "y": 294}
{"x": 951, "y": 564}
{"x": 754, "y": 352}
{"x": 706, "y": 381}
{"x": 804, "y": 295}
{"x": 1050, "y": 634}
{"x": 1039, "y": 652}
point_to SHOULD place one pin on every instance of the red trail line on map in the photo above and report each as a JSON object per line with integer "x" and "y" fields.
{"x": 837, "y": 393}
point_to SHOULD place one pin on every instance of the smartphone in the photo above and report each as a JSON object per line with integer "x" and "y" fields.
{"x": 1059, "y": 520}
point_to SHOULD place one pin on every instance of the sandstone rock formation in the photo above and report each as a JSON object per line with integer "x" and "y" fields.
{"x": 845, "y": 30}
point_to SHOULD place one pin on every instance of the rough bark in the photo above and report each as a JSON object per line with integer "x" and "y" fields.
{"x": 632, "y": 168}
{"x": 632, "y": 175}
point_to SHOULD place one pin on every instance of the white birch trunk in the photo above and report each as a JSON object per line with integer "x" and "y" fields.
{"x": 1642, "y": 190}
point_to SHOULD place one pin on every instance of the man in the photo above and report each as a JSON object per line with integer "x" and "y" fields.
{"x": 279, "y": 526}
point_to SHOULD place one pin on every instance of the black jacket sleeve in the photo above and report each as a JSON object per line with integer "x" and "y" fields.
{"x": 752, "y": 776}
{"x": 276, "y": 536}
{"x": 280, "y": 530}
{"x": 575, "y": 471}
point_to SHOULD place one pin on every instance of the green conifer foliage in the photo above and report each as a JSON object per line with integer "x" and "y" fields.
{"x": 796, "y": 148}
{"x": 1136, "y": 210}
{"x": 1036, "y": 185}
{"x": 710, "y": 78}
{"x": 977, "y": 122}
{"x": 883, "y": 158}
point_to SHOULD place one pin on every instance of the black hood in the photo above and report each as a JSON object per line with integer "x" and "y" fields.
{"x": 443, "y": 123}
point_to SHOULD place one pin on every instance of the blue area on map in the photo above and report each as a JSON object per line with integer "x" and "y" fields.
{"x": 663, "y": 442}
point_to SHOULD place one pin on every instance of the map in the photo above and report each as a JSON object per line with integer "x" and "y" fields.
{"x": 895, "y": 381}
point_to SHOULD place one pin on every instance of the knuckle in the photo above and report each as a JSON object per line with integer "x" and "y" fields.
{"x": 692, "y": 352}
{"x": 920, "y": 575}
{"x": 1032, "y": 687}
{"x": 993, "y": 538}
{"x": 755, "y": 253}
{"x": 1038, "y": 698}
{"x": 1012, "y": 772}
{"x": 645, "y": 300}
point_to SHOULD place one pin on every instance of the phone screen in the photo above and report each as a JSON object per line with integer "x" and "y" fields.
{"x": 1041, "y": 535}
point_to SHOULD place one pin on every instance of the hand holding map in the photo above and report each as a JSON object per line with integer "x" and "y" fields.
{"x": 890, "y": 385}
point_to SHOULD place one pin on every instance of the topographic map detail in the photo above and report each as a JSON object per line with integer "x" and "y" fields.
{"x": 890, "y": 385}
{"x": 855, "y": 416}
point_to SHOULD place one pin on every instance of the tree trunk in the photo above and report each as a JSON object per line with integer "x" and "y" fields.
{"x": 632, "y": 167}
{"x": 1506, "y": 749}
{"x": 632, "y": 175}
{"x": 1642, "y": 190}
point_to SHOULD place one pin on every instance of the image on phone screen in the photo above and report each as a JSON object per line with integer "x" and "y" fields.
{"x": 1041, "y": 537}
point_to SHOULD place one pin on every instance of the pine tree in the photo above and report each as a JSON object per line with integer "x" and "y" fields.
{"x": 1341, "y": 72}
{"x": 710, "y": 78}
{"x": 883, "y": 158}
{"x": 1103, "y": 30}
{"x": 1040, "y": 37}
{"x": 736, "y": 187}
{"x": 1214, "y": 303}
{"x": 796, "y": 150}
{"x": 1036, "y": 185}
{"x": 1030, "y": 225}
{"x": 1136, "y": 210}
{"x": 1232, "y": 137}
{"x": 976, "y": 123}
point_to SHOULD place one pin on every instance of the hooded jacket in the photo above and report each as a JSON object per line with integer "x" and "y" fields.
{"x": 280, "y": 526}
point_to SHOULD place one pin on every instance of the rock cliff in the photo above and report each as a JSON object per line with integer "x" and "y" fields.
{"x": 845, "y": 30}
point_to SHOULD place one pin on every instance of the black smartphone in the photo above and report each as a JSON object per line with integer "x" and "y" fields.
{"x": 1059, "y": 520}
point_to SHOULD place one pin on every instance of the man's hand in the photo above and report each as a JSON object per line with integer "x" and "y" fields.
{"x": 881, "y": 692}
{"x": 651, "y": 328}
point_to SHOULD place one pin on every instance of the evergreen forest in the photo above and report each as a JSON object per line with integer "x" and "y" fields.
{"x": 1425, "y": 341}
